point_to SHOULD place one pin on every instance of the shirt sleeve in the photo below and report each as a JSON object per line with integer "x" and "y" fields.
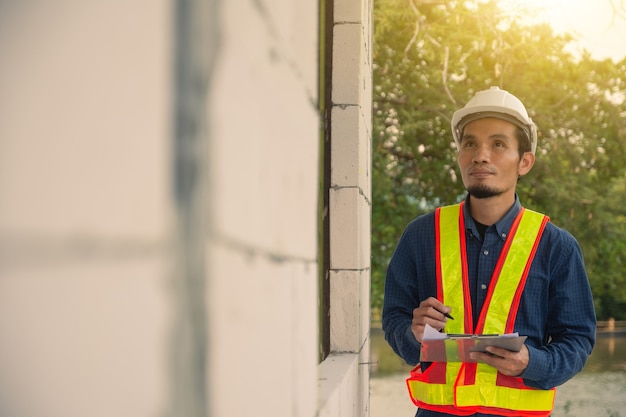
{"x": 571, "y": 320}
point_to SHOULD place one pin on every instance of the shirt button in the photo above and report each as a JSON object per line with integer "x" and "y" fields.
{"x": 486, "y": 253}
{"x": 503, "y": 234}
{"x": 483, "y": 286}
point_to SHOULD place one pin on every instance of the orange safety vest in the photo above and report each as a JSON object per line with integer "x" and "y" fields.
{"x": 464, "y": 388}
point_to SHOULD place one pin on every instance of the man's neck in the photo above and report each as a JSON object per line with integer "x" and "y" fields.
{"x": 489, "y": 211}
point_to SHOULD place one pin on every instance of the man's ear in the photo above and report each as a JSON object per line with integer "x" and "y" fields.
{"x": 526, "y": 163}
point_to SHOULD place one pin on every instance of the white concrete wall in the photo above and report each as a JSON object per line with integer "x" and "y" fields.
{"x": 85, "y": 213}
{"x": 90, "y": 279}
{"x": 347, "y": 370}
{"x": 262, "y": 266}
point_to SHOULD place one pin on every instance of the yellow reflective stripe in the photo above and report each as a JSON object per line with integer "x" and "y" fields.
{"x": 436, "y": 394}
{"x": 512, "y": 271}
{"x": 485, "y": 374}
{"x": 491, "y": 395}
{"x": 507, "y": 398}
{"x": 451, "y": 267}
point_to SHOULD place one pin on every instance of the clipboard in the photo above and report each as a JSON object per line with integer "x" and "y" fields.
{"x": 443, "y": 347}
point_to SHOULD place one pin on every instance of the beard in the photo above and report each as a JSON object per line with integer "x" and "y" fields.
{"x": 481, "y": 191}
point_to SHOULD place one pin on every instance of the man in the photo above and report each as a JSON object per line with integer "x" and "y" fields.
{"x": 496, "y": 268}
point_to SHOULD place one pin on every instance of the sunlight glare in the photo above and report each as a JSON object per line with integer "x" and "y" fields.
{"x": 595, "y": 25}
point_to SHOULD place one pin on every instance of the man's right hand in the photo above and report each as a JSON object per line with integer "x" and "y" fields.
{"x": 431, "y": 311}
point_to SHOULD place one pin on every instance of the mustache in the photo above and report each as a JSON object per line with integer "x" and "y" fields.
{"x": 482, "y": 168}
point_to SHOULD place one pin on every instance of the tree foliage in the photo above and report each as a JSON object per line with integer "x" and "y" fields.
{"x": 430, "y": 57}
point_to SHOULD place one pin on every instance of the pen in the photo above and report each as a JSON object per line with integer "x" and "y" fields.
{"x": 446, "y": 314}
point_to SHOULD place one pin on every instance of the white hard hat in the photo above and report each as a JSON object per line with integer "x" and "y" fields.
{"x": 494, "y": 103}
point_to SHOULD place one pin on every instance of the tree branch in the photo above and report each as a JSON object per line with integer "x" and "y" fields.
{"x": 444, "y": 74}
{"x": 416, "y": 30}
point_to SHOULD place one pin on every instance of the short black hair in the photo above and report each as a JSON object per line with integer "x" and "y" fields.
{"x": 523, "y": 141}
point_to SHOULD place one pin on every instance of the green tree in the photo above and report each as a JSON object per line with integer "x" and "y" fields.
{"x": 430, "y": 57}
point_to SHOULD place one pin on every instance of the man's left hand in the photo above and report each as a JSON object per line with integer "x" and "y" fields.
{"x": 507, "y": 362}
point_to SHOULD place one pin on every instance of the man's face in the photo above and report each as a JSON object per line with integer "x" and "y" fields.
{"x": 489, "y": 158}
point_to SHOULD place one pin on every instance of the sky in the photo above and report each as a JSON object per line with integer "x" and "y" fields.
{"x": 594, "y": 23}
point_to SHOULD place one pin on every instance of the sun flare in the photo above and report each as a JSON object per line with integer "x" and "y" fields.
{"x": 598, "y": 26}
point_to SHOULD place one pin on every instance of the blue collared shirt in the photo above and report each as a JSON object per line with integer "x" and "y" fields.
{"x": 556, "y": 308}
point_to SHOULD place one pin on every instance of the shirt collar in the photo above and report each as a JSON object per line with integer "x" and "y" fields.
{"x": 502, "y": 226}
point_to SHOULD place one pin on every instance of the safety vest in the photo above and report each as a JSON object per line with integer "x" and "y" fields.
{"x": 464, "y": 388}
